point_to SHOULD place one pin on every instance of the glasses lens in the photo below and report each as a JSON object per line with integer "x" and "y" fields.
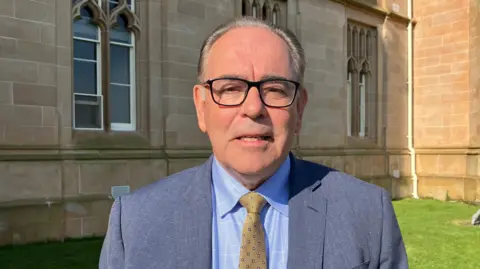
{"x": 229, "y": 91}
{"x": 275, "y": 93}
{"x": 278, "y": 92}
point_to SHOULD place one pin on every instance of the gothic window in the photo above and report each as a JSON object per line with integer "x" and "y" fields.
{"x": 276, "y": 14}
{"x": 361, "y": 81}
{"x": 104, "y": 92}
{"x": 245, "y": 7}
{"x": 265, "y": 11}
{"x": 273, "y": 11}
{"x": 255, "y": 8}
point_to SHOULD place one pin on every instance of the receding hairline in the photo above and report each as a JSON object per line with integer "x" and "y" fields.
{"x": 230, "y": 34}
{"x": 295, "y": 50}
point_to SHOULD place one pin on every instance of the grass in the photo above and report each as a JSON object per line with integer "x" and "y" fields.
{"x": 436, "y": 234}
{"x": 71, "y": 254}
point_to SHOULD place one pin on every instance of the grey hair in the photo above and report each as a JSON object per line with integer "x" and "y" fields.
{"x": 297, "y": 54}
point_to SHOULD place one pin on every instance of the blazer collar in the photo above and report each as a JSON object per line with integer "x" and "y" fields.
{"x": 197, "y": 212}
{"x": 308, "y": 209}
{"x": 307, "y": 215}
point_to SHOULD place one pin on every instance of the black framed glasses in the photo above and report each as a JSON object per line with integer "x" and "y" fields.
{"x": 274, "y": 92}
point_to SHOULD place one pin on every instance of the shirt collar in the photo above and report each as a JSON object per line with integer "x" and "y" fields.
{"x": 228, "y": 190}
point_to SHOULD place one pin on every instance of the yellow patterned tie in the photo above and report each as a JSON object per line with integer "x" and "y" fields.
{"x": 252, "y": 253}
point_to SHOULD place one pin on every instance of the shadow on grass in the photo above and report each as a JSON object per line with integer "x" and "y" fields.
{"x": 71, "y": 253}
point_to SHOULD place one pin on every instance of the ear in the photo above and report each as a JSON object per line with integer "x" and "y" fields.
{"x": 199, "y": 93}
{"x": 300, "y": 107}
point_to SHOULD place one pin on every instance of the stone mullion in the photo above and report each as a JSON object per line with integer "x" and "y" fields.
{"x": 372, "y": 87}
{"x": 355, "y": 117}
{"x": 105, "y": 47}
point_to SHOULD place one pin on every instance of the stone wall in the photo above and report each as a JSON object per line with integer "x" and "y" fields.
{"x": 56, "y": 181}
{"x": 322, "y": 29}
{"x": 446, "y": 99}
{"x": 30, "y": 58}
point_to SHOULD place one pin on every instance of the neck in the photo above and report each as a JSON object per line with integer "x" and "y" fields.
{"x": 253, "y": 181}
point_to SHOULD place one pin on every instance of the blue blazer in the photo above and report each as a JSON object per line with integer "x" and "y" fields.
{"x": 336, "y": 221}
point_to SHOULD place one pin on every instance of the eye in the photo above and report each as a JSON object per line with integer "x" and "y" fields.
{"x": 228, "y": 86}
{"x": 275, "y": 89}
{"x": 231, "y": 88}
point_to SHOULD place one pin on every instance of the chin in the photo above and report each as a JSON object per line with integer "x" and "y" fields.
{"x": 252, "y": 163}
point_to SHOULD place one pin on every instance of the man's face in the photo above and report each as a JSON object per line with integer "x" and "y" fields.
{"x": 251, "y": 139}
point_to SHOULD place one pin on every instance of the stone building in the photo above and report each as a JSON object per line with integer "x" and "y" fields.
{"x": 95, "y": 99}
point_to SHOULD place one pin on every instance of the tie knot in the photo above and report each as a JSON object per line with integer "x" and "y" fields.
{"x": 253, "y": 202}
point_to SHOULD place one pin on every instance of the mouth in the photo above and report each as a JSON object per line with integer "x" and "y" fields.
{"x": 255, "y": 138}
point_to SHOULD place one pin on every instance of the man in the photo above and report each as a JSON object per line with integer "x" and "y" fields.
{"x": 253, "y": 204}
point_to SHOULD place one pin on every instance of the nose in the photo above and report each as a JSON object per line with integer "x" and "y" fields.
{"x": 252, "y": 106}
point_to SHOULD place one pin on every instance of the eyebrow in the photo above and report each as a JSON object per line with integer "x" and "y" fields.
{"x": 264, "y": 77}
{"x": 272, "y": 77}
{"x": 232, "y": 76}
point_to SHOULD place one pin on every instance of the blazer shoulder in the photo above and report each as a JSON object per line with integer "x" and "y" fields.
{"x": 344, "y": 191}
{"x": 165, "y": 189}
{"x": 335, "y": 181}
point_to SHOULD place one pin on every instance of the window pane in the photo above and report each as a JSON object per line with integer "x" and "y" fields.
{"x": 85, "y": 77}
{"x": 113, "y": 4}
{"x": 244, "y": 7}
{"x": 119, "y": 100}
{"x": 120, "y": 32}
{"x": 84, "y": 50}
{"x": 120, "y": 64}
{"x": 84, "y": 27}
{"x": 88, "y": 111}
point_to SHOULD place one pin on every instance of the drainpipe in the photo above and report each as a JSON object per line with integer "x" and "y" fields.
{"x": 410, "y": 101}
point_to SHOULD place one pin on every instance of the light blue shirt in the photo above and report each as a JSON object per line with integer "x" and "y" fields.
{"x": 229, "y": 216}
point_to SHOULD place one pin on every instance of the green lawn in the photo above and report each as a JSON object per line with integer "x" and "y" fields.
{"x": 435, "y": 234}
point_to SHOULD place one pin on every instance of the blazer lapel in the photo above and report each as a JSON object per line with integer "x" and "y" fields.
{"x": 307, "y": 215}
{"x": 194, "y": 243}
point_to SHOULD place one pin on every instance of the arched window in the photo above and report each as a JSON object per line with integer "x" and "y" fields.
{"x": 276, "y": 14}
{"x": 355, "y": 42}
{"x": 369, "y": 44}
{"x": 351, "y": 96}
{"x": 362, "y": 82}
{"x": 122, "y": 76}
{"x": 349, "y": 41}
{"x": 273, "y": 11}
{"x": 87, "y": 74}
{"x": 265, "y": 11}
{"x": 255, "y": 9}
{"x": 361, "y": 44}
{"x": 105, "y": 97}
{"x": 245, "y": 4}
{"x": 361, "y": 86}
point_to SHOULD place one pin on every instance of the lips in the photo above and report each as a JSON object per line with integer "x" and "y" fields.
{"x": 253, "y": 138}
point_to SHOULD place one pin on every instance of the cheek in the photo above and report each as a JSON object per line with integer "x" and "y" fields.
{"x": 218, "y": 120}
{"x": 283, "y": 121}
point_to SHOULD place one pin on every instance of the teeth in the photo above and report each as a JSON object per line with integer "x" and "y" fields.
{"x": 251, "y": 138}
{"x": 254, "y": 138}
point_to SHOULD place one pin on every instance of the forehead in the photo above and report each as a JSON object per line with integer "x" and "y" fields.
{"x": 249, "y": 52}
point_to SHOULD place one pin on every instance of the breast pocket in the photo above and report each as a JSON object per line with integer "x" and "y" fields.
{"x": 362, "y": 266}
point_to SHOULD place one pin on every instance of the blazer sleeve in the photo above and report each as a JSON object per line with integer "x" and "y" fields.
{"x": 112, "y": 255}
{"x": 393, "y": 254}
